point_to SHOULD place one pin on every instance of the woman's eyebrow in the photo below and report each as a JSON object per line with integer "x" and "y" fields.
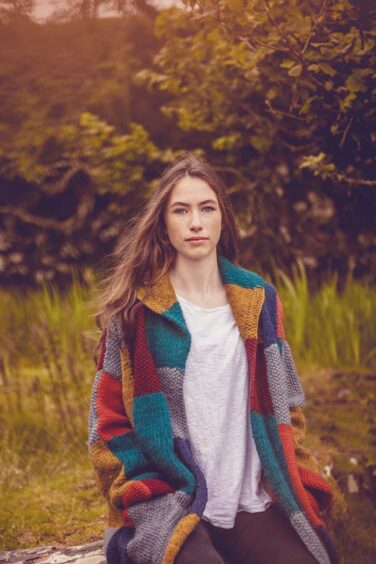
{"x": 200, "y": 203}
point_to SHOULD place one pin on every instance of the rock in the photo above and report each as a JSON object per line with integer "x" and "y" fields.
{"x": 352, "y": 484}
{"x": 91, "y": 553}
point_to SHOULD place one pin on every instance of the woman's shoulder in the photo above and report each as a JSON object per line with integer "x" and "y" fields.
{"x": 240, "y": 275}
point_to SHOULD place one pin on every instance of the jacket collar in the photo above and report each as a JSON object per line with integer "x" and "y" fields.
{"x": 244, "y": 289}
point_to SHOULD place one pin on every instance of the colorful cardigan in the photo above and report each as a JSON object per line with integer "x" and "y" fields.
{"x": 138, "y": 437}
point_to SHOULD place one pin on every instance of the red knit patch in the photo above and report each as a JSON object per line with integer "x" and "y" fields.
{"x": 146, "y": 378}
{"x": 280, "y": 329}
{"x": 323, "y": 494}
{"x": 143, "y": 490}
{"x": 127, "y": 520}
{"x": 158, "y": 487}
{"x": 287, "y": 441}
{"x": 260, "y": 395}
{"x": 112, "y": 419}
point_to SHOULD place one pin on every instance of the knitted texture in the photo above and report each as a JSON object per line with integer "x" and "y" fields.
{"x": 138, "y": 436}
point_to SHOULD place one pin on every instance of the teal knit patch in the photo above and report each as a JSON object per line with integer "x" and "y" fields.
{"x": 175, "y": 314}
{"x": 125, "y": 447}
{"x": 232, "y": 274}
{"x": 264, "y": 430}
{"x": 169, "y": 346}
{"x": 153, "y": 429}
{"x": 145, "y": 475}
{"x": 272, "y": 428}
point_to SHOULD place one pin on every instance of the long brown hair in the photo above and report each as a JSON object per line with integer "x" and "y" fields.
{"x": 144, "y": 251}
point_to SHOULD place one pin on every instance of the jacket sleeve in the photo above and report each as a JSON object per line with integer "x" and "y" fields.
{"x": 318, "y": 489}
{"x": 114, "y": 453}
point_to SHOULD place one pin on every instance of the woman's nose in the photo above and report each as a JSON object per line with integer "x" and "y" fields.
{"x": 196, "y": 220}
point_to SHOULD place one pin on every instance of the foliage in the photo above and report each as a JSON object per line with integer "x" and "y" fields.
{"x": 277, "y": 94}
{"x": 285, "y": 92}
{"x": 77, "y": 184}
{"x": 11, "y": 10}
{"x": 332, "y": 327}
{"x": 75, "y": 159}
{"x": 52, "y": 73}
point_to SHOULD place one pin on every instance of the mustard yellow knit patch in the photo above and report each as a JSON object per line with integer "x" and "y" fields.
{"x": 127, "y": 382}
{"x": 115, "y": 517}
{"x": 162, "y": 296}
{"x": 298, "y": 427}
{"x": 107, "y": 466}
{"x": 246, "y": 304}
{"x": 181, "y": 532}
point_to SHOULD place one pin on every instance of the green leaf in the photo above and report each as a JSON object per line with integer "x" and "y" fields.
{"x": 314, "y": 67}
{"x": 327, "y": 69}
{"x": 354, "y": 82}
{"x": 260, "y": 143}
{"x": 295, "y": 71}
{"x": 287, "y": 64}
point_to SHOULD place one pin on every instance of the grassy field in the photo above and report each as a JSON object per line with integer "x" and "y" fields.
{"x": 48, "y": 490}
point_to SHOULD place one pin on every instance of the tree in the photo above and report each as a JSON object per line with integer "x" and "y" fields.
{"x": 66, "y": 194}
{"x": 90, "y": 9}
{"x": 11, "y": 10}
{"x": 285, "y": 91}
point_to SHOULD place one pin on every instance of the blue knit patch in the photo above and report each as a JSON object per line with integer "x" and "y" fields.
{"x": 169, "y": 346}
{"x": 116, "y": 552}
{"x": 268, "y": 317}
{"x": 232, "y": 274}
{"x": 152, "y": 426}
{"x": 201, "y": 495}
{"x": 262, "y": 428}
{"x": 125, "y": 447}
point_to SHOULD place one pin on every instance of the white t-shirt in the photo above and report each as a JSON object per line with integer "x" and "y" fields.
{"x": 216, "y": 392}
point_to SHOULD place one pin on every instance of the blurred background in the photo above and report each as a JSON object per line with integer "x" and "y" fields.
{"x": 96, "y": 98}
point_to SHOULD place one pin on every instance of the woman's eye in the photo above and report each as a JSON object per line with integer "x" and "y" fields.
{"x": 181, "y": 211}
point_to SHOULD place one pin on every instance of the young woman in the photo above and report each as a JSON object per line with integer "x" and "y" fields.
{"x": 196, "y": 426}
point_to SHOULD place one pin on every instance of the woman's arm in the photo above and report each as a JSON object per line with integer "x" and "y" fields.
{"x": 318, "y": 490}
{"x": 114, "y": 452}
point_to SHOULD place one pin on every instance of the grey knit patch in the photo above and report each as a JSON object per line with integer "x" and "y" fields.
{"x": 154, "y": 521}
{"x": 309, "y": 537}
{"x": 172, "y": 385}
{"x": 111, "y": 361}
{"x": 277, "y": 383}
{"x": 294, "y": 388}
{"x": 93, "y": 415}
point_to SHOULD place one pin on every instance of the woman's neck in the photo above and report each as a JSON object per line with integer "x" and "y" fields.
{"x": 198, "y": 281}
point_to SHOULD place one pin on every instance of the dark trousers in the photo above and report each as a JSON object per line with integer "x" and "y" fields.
{"x": 256, "y": 538}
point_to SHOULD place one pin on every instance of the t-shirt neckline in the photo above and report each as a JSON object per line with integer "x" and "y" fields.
{"x": 200, "y": 308}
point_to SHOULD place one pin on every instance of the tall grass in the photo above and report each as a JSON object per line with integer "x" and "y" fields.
{"x": 329, "y": 327}
{"x": 46, "y": 370}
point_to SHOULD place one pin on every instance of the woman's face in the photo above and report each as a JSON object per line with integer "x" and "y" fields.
{"x": 193, "y": 218}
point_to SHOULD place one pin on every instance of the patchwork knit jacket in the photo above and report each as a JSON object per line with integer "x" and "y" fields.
{"x": 138, "y": 437}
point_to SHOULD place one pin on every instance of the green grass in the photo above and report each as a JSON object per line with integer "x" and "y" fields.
{"x": 341, "y": 419}
{"x": 329, "y": 328}
{"x": 47, "y": 487}
{"x": 53, "y": 500}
